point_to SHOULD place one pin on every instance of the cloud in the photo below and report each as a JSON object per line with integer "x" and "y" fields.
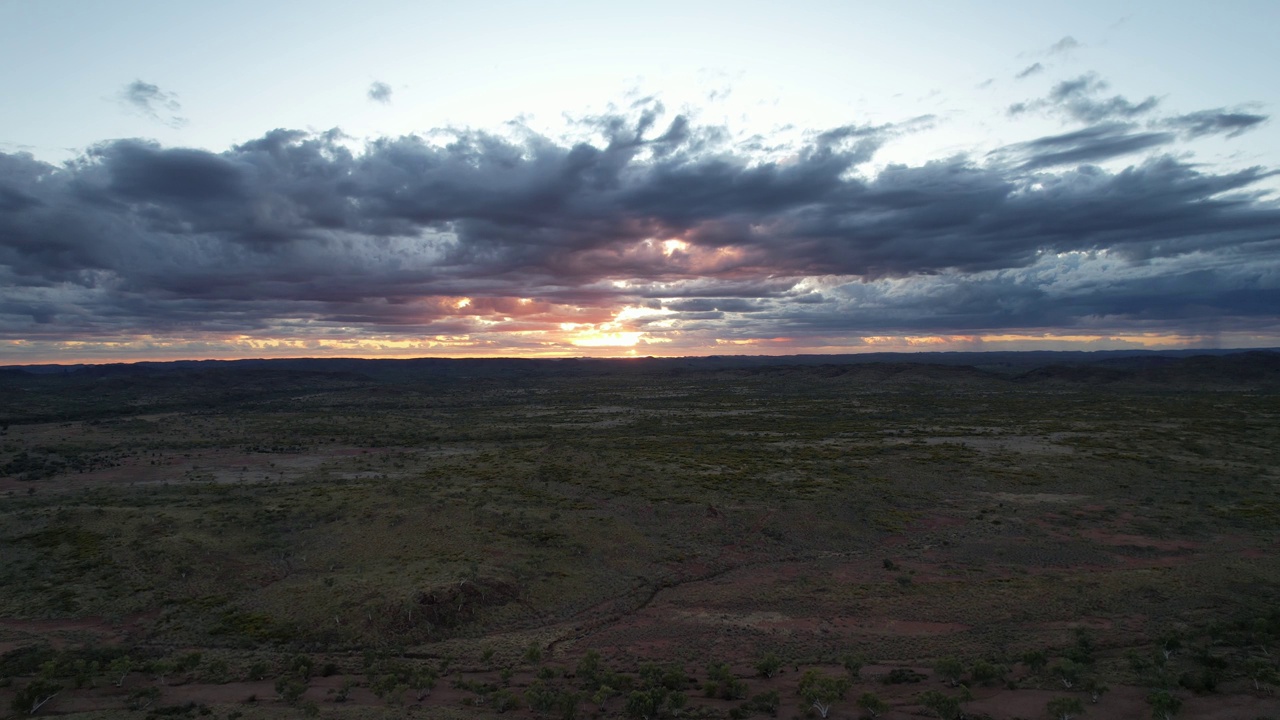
{"x": 149, "y": 100}
{"x": 1231, "y": 123}
{"x": 1091, "y": 145}
{"x": 507, "y": 239}
{"x": 1029, "y": 70}
{"x": 380, "y": 92}
{"x": 1065, "y": 45}
{"x": 1078, "y": 99}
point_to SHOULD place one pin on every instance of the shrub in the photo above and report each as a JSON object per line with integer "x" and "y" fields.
{"x": 768, "y": 665}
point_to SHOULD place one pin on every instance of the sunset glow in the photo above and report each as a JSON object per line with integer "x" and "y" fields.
{"x": 1053, "y": 191}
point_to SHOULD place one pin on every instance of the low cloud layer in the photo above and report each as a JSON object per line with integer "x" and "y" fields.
{"x": 650, "y": 231}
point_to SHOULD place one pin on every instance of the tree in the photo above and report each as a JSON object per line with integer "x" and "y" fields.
{"x": 987, "y": 673}
{"x": 1082, "y": 651}
{"x": 822, "y": 691}
{"x": 1095, "y": 687}
{"x": 721, "y": 683}
{"x": 533, "y": 654}
{"x": 944, "y": 706}
{"x": 601, "y": 698}
{"x": 189, "y": 662}
{"x": 853, "y": 664}
{"x": 35, "y": 695}
{"x": 302, "y": 666}
{"x": 1169, "y": 644}
{"x": 1067, "y": 672}
{"x": 645, "y": 704}
{"x": 162, "y": 669}
{"x": 540, "y": 698}
{"x": 567, "y": 703}
{"x": 1164, "y": 704}
{"x": 424, "y": 679}
{"x": 872, "y": 703}
{"x": 1065, "y": 708}
{"x": 143, "y": 698}
{"x": 216, "y": 670}
{"x": 676, "y": 702}
{"x": 767, "y": 702}
{"x": 768, "y": 665}
{"x": 1260, "y": 671}
{"x": 120, "y": 669}
{"x": 950, "y": 669}
{"x": 504, "y": 700}
{"x": 1035, "y": 660}
{"x": 588, "y": 670}
{"x": 290, "y": 689}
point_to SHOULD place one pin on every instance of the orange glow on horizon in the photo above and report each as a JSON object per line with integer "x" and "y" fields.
{"x": 624, "y": 335}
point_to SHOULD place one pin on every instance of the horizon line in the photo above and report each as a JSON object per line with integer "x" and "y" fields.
{"x": 1145, "y": 351}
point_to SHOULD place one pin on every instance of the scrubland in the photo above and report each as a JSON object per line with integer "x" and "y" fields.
{"x": 645, "y": 541}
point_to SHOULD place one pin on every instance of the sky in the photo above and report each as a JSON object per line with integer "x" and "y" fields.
{"x": 565, "y": 179}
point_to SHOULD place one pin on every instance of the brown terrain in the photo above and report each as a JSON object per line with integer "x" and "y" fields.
{"x": 288, "y": 543}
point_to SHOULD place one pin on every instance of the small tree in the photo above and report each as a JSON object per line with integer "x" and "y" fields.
{"x": 987, "y": 673}
{"x": 676, "y": 702}
{"x": 602, "y": 695}
{"x": 143, "y": 698}
{"x": 1169, "y": 644}
{"x": 768, "y": 665}
{"x": 290, "y": 689}
{"x": 944, "y": 706}
{"x": 1260, "y": 671}
{"x": 302, "y": 666}
{"x": 853, "y": 664}
{"x": 504, "y": 700}
{"x": 1095, "y": 687}
{"x": 533, "y": 654}
{"x": 120, "y": 669}
{"x": 1036, "y": 661}
{"x": 35, "y": 695}
{"x": 950, "y": 669}
{"x": 645, "y": 704}
{"x": 540, "y": 698}
{"x": 567, "y": 703}
{"x": 721, "y": 683}
{"x": 1067, "y": 672}
{"x": 188, "y": 663}
{"x": 822, "y": 691}
{"x": 162, "y": 669}
{"x": 1164, "y": 704}
{"x": 1065, "y": 708}
{"x": 424, "y": 680}
{"x": 872, "y": 703}
{"x": 767, "y": 702}
{"x": 588, "y": 670}
{"x": 216, "y": 670}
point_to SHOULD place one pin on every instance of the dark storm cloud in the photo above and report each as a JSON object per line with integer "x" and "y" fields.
{"x": 379, "y": 92}
{"x": 151, "y": 101}
{"x": 295, "y": 227}
{"x": 1214, "y": 122}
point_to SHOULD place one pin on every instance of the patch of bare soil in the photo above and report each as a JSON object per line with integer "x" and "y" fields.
{"x": 65, "y": 632}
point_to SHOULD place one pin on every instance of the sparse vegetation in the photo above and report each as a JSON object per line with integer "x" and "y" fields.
{"x": 633, "y": 542}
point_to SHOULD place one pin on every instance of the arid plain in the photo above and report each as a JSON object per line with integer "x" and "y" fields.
{"x": 643, "y": 538}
